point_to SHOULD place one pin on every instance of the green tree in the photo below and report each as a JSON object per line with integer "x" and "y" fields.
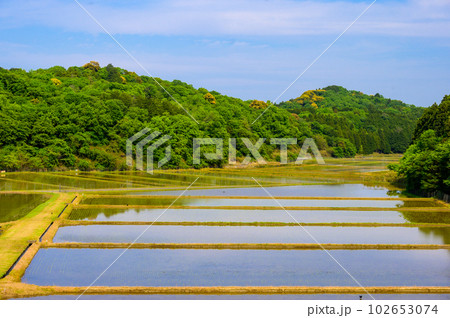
{"x": 426, "y": 164}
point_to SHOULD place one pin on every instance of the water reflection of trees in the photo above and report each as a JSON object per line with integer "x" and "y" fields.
{"x": 420, "y": 204}
{"x": 442, "y": 232}
{"x": 427, "y": 217}
{"x": 14, "y": 206}
{"x": 431, "y": 217}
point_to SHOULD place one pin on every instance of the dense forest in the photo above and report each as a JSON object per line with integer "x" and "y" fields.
{"x": 353, "y": 122}
{"x": 426, "y": 164}
{"x": 80, "y": 118}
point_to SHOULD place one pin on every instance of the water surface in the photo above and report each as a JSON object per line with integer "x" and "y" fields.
{"x": 213, "y": 202}
{"x": 219, "y": 215}
{"x": 74, "y": 180}
{"x": 179, "y": 267}
{"x": 328, "y": 190}
{"x": 251, "y": 234}
{"x": 14, "y": 206}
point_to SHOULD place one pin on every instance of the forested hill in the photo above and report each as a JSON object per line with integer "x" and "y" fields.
{"x": 371, "y": 123}
{"x": 80, "y": 117}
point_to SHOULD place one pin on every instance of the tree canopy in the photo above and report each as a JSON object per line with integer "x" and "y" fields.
{"x": 81, "y": 117}
{"x": 350, "y": 119}
{"x": 426, "y": 164}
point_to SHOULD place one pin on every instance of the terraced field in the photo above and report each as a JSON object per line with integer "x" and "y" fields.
{"x": 275, "y": 232}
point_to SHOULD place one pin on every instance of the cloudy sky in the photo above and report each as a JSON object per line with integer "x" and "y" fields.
{"x": 252, "y": 49}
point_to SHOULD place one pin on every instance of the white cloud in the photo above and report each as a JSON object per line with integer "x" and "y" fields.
{"x": 236, "y": 17}
{"x": 231, "y": 57}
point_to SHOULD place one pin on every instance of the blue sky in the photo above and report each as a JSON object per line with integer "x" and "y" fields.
{"x": 244, "y": 48}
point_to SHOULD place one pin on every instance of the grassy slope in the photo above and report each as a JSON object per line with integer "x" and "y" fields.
{"x": 16, "y": 238}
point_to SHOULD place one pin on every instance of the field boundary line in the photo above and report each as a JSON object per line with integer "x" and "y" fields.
{"x": 258, "y": 197}
{"x": 30, "y": 291}
{"x": 315, "y": 240}
{"x": 248, "y": 246}
{"x": 137, "y": 238}
{"x": 262, "y": 224}
{"x": 187, "y": 207}
{"x": 11, "y": 268}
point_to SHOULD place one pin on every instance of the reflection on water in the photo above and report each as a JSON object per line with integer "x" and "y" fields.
{"x": 329, "y": 190}
{"x": 15, "y": 206}
{"x": 427, "y": 217}
{"x": 437, "y": 233}
{"x": 14, "y": 185}
{"x": 218, "y": 215}
{"x": 108, "y": 180}
{"x": 192, "y": 267}
{"x": 250, "y": 234}
{"x": 179, "y": 267}
{"x": 256, "y": 202}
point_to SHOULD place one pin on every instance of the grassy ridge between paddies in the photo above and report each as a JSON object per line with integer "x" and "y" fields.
{"x": 247, "y": 246}
{"x": 135, "y": 198}
{"x": 187, "y": 207}
{"x": 262, "y": 224}
{"x": 29, "y": 228}
{"x": 18, "y": 290}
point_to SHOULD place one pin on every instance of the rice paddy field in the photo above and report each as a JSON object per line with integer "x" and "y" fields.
{"x": 16, "y": 205}
{"x": 264, "y": 232}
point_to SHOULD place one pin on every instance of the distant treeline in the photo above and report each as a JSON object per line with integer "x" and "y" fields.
{"x": 352, "y": 122}
{"x": 80, "y": 118}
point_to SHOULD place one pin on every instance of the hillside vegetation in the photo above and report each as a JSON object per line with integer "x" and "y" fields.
{"x": 80, "y": 117}
{"x": 426, "y": 164}
{"x": 353, "y": 122}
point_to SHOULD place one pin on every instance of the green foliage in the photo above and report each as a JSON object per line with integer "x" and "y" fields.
{"x": 437, "y": 118}
{"x": 81, "y": 117}
{"x": 426, "y": 164}
{"x": 369, "y": 123}
{"x": 344, "y": 149}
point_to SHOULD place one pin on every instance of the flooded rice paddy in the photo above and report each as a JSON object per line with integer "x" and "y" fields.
{"x": 322, "y": 190}
{"x": 252, "y": 234}
{"x": 322, "y": 197}
{"x": 14, "y": 206}
{"x": 236, "y": 215}
{"x": 266, "y": 202}
{"x": 191, "y": 267}
{"x": 335, "y": 172}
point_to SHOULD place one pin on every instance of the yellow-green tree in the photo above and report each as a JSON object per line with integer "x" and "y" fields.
{"x": 258, "y": 104}
{"x": 210, "y": 98}
{"x": 56, "y": 81}
{"x": 92, "y": 65}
